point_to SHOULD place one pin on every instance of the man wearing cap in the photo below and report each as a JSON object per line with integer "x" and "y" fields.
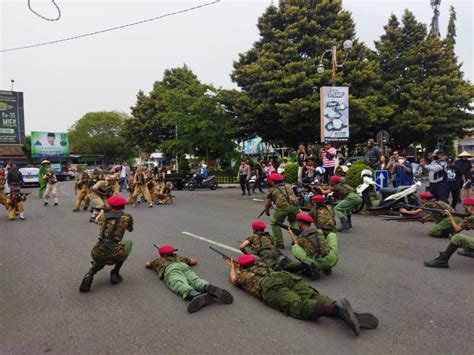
{"x": 262, "y": 244}
{"x": 286, "y": 206}
{"x": 458, "y": 240}
{"x": 14, "y": 204}
{"x": 45, "y": 165}
{"x": 323, "y": 214}
{"x": 51, "y": 187}
{"x": 311, "y": 246}
{"x": 176, "y": 272}
{"x": 291, "y": 295}
{"x": 465, "y": 167}
{"x": 348, "y": 198}
{"x": 111, "y": 249}
{"x": 437, "y": 175}
{"x": 81, "y": 189}
{"x": 140, "y": 187}
{"x": 443, "y": 227}
{"x": 101, "y": 191}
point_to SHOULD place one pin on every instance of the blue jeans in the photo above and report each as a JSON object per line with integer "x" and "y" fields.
{"x": 123, "y": 183}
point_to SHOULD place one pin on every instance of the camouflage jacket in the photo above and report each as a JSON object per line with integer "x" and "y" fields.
{"x": 260, "y": 241}
{"x": 160, "y": 264}
{"x": 112, "y": 229}
{"x": 2, "y": 183}
{"x": 439, "y": 205}
{"x": 313, "y": 242}
{"x": 140, "y": 179}
{"x": 106, "y": 189}
{"x": 341, "y": 191}
{"x": 82, "y": 183}
{"x": 282, "y": 195}
{"x": 250, "y": 279}
{"x": 468, "y": 222}
{"x": 323, "y": 217}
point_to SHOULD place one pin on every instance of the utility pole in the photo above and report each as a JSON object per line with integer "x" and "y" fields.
{"x": 435, "y": 4}
{"x": 12, "y": 81}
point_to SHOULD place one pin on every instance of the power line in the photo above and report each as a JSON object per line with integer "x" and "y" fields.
{"x": 111, "y": 28}
{"x": 46, "y": 18}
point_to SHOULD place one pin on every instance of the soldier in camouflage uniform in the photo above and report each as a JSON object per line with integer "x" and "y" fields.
{"x": 164, "y": 196}
{"x": 291, "y": 295}
{"x": 151, "y": 185}
{"x": 458, "y": 240}
{"x": 111, "y": 249}
{"x": 348, "y": 198}
{"x": 15, "y": 204}
{"x": 262, "y": 244}
{"x": 286, "y": 206}
{"x": 443, "y": 227}
{"x": 323, "y": 214}
{"x": 81, "y": 189}
{"x": 3, "y": 182}
{"x": 140, "y": 188}
{"x": 101, "y": 191}
{"x": 176, "y": 272}
{"x": 311, "y": 246}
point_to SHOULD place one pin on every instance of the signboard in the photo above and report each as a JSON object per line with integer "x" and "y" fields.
{"x": 12, "y": 121}
{"x": 49, "y": 145}
{"x": 381, "y": 179}
{"x": 252, "y": 146}
{"x": 334, "y": 113}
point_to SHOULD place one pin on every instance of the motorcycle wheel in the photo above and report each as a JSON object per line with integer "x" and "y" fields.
{"x": 213, "y": 186}
{"x": 191, "y": 186}
{"x": 413, "y": 200}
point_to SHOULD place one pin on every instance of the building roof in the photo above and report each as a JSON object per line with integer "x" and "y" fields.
{"x": 11, "y": 151}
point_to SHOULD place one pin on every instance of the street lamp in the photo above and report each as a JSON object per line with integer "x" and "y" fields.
{"x": 12, "y": 81}
{"x": 345, "y": 46}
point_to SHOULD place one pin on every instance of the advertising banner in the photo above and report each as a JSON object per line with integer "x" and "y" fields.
{"x": 49, "y": 145}
{"x": 252, "y": 146}
{"x": 334, "y": 113}
{"x": 12, "y": 121}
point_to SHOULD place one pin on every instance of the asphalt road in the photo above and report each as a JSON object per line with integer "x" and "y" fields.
{"x": 43, "y": 259}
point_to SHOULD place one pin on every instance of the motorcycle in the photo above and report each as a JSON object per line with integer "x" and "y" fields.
{"x": 196, "y": 182}
{"x": 392, "y": 198}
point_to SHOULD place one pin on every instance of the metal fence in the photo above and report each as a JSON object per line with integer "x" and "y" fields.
{"x": 226, "y": 179}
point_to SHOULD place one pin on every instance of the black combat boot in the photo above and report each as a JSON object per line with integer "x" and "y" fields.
{"x": 86, "y": 282}
{"x": 115, "y": 277}
{"x": 327, "y": 272}
{"x": 197, "y": 300}
{"x": 367, "y": 320}
{"x": 343, "y": 310}
{"x": 281, "y": 263}
{"x": 344, "y": 225}
{"x": 219, "y": 293}
{"x": 442, "y": 260}
{"x": 349, "y": 221}
{"x": 310, "y": 271}
{"x": 466, "y": 252}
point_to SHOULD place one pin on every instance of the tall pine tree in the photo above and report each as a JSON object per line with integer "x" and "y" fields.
{"x": 279, "y": 98}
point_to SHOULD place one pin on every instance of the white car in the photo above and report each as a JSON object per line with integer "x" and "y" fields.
{"x": 30, "y": 176}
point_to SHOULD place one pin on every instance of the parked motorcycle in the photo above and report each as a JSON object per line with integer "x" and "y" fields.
{"x": 195, "y": 182}
{"x": 392, "y": 198}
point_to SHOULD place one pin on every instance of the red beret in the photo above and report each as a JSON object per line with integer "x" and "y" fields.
{"x": 468, "y": 201}
{"x": 275, "y": 177}
{"x": 303, "y": 217}
{"x": 426, "y": 195}
{"x": 335, "y": 179}
{"x": 258, "y": 225}
{"x": 318, "y": 198}
{"x": 246, "y": 259}
{"x": 116, "y": 201}
{"x": 166, "y": 250}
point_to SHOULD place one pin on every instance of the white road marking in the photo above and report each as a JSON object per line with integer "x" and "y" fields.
{"x": 258, "y": 200}
{"x": 212, "y": 242}
{"x": 66, "y": 193}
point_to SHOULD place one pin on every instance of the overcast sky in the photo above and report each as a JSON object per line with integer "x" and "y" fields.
{"x": 64, "y": 81}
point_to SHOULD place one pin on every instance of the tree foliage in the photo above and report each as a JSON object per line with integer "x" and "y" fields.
{"x": 100, "y": 133}
{"x": 279, "y": 98}
{"x": 182, "y": 115}
{"x": 425, "y": 83}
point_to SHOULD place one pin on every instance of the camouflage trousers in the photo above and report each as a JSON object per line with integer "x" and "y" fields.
{"x": 141, "y": 190}
{"x": 279, "y": 215}
{"x": 270, "y": 258}
{"x": 3, "y": 199}
{"x": 181, "y": 279}
{"x": 82, "y": 195}
{"x": 326, "y": 262}
{"x": 443, "y": 228}
{"x": 120, "y": 254}
{"x": 463, "y": 241}
{"x": 13, "y": 211}
{"x": 345, "y": 207}
{"x": 291, "y": 295}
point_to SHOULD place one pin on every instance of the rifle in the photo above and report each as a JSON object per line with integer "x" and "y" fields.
{"x": 285, "y": 227}
{"x": 225, "y": 257}
{"x": 99, "y": 209}
{"x": 457, "y": 214}
{"x": 404, "y": 219}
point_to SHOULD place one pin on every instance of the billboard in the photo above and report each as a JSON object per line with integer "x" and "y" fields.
{"x": 334, "y": 113}
{"x": 12, "y": 121}
{"x": 49, "y": 145}
{"x": 252, "y": 146}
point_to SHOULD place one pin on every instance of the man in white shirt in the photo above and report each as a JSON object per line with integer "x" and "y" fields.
{"x": 124, "y": 172}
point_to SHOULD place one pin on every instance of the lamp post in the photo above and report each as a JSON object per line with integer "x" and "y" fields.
{"x": 320, "y": 68}
{"x": 12, "y": 81}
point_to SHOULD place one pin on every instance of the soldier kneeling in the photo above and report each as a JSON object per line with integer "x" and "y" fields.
{"x": 111, "y": 249}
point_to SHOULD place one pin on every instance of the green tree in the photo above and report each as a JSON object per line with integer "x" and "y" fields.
{"x": 278, "y": 77}
{"x": 423, "y": 80}
{"x": 182, "y": 115}
{"x": 100, "y": 133}
{"x": 26, "y": 147}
